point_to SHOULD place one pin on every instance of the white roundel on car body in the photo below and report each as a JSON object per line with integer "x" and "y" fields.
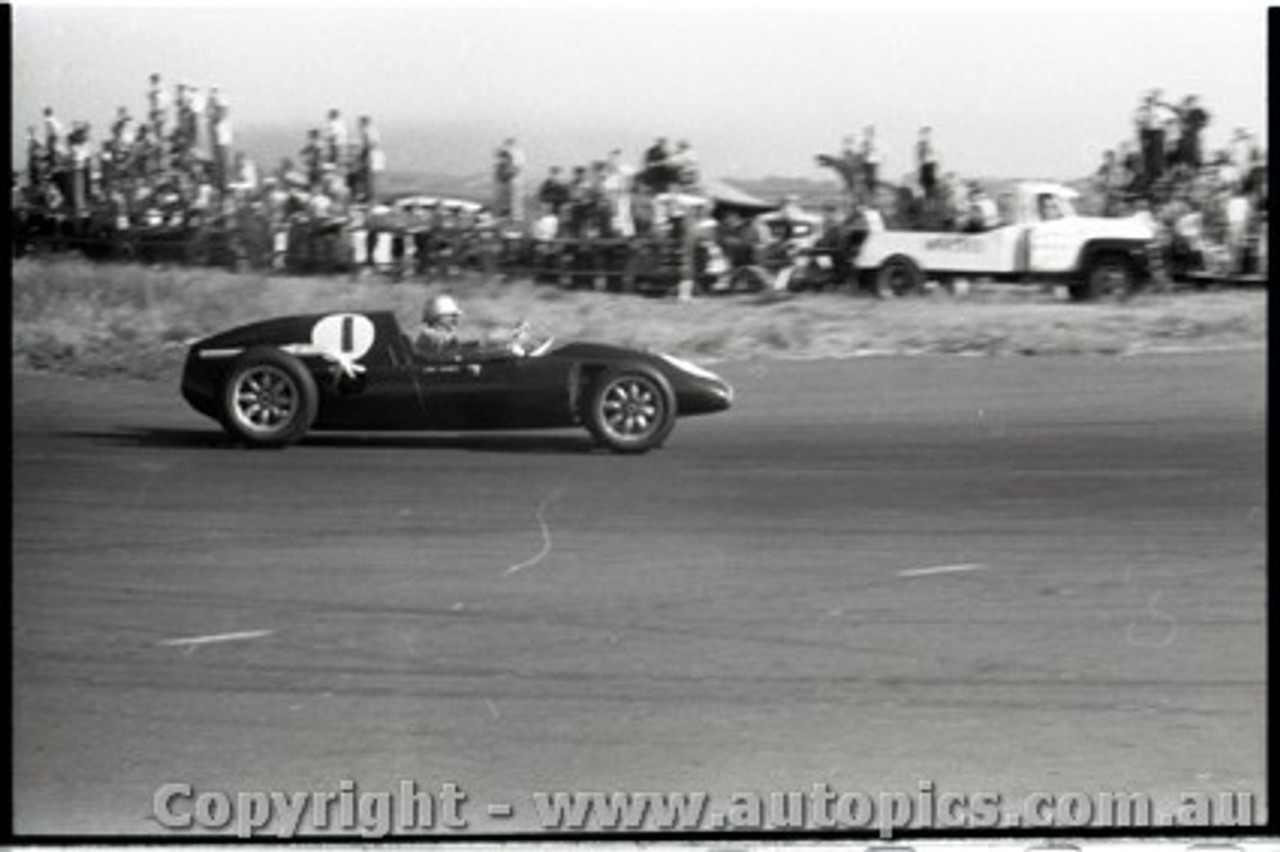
{"x": 346, "y": 337}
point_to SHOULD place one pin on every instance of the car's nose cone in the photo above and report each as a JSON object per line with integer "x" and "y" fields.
{"x": 725, "y": 394}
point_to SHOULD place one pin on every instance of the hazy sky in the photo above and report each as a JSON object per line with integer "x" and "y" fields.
{"x": 758, "y": 88}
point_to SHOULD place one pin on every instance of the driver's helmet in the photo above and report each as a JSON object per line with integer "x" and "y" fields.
{"x": 439, "y": 307}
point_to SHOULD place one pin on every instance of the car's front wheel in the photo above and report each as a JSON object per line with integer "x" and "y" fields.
{"x": 269, "y": 399}
{"x": 630, "y": 410}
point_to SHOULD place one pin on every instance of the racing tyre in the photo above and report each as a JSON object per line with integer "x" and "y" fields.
{"x": 269, "y": 399}
{"x": 898, "y": 276}
{"x": 1106, "y": 275}
{"x": 630, "y": 409}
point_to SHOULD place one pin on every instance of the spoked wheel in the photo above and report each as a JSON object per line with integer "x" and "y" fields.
{"x": 269, "y": 399}
{"x": 630, "y": 410}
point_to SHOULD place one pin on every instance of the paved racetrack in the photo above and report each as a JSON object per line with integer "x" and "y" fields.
{"x": 1000, "y": 575}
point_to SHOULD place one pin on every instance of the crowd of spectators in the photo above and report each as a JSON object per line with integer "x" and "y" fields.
{"x": 608, "y": 198}
{"x": 1210, "y": 207}
{"x": 174, "y": 177}
{"x": 926, "y": 199}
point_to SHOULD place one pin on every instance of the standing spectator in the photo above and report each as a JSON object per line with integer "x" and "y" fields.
{"x": 616, "y": 198}
{"x": 157, "y": 106}
{"x": 1110, "y": 181}
{"x": 335, "y": 138}
{"x": 616, "y": 188}
{"x": 312, "y": 155}
{"x": 53, "y": 139}
{"x": 220, "y": 135}
{"x": 109, "y": 171}
{"x": 1130, "y": 159}
{"x": 685, "y": 166}
{"x": 1225, "y": 172}
{"x": 848, "y": 165}
{"x": 601, "y": 214}
{"x": 851, "y": 169}
{"x": 290, "y": 177}
{"x": 983, "y": 212}
{"x": 36, "y": 159}
{"x": 183, "y": 137}
{"x": 657, "y": 169}
{"x": 116, "y": 150}
{"x": 335, "y": 187}
{"x": 1254, "y": 182}
{"x": 143, "y": 153}
{"x": 1172, "y": 126}
{"x": 372, "y": 159}
{"x": 1151, "y": 139}
{"x": 81, "y": 155}
{"x": 554, "y": 193}
{"x": 195, "y": 110}
{"x": 849, "y": 150}
{"x": 578, "y": 204}
{"x": 927, "y": 158}
{"x": 245, "y": 184}
{"x": 870, "y": 160}
{"x": 948, "y": 211}
{"x": 508, "y": 173}
{"x": 122, "y": 130}
{"x": 1241, "y": 145}
{"x": 547, "y": 226}
{"x": 1193, "y": 120}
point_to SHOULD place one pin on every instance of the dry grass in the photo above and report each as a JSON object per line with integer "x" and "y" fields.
{"x": 77, "y": 317}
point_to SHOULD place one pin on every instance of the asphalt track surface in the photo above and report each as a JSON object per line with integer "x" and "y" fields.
{"x": 997, "y": 574}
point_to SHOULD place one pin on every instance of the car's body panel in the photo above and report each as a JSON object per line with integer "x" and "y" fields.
{"x": 368, "y": 378}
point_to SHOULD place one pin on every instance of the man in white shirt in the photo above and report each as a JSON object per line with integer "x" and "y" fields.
{"x": 195, "y": 107}
{"x": 336, "y": 139}
{"x": 616, "y": 187}
{"x": 220, "y": 135}
{"x": 984, "y": 215}
{"x": 54, "y": 138}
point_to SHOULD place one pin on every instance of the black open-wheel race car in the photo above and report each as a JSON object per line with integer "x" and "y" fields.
{"x": 270, "y": 382}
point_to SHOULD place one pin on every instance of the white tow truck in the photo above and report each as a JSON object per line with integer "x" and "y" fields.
{"x": 1039, "y": 236}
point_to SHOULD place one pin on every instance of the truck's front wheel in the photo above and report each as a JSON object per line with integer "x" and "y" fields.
{"x": 1106, "y": 275}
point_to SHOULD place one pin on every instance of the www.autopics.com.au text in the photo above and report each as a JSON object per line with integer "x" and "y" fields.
{"x": 410, "y": 808}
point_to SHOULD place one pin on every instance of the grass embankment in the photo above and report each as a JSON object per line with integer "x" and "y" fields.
{"x": 76, "y": 317}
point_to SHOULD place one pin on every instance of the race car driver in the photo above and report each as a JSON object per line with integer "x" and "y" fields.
{"x": 438, "y": 335}
{"x": 437, "y": 338}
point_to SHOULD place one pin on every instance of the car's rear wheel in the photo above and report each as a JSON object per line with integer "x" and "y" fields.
{"x": 630, "y": 409}
{"x": 269, "y": 399}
